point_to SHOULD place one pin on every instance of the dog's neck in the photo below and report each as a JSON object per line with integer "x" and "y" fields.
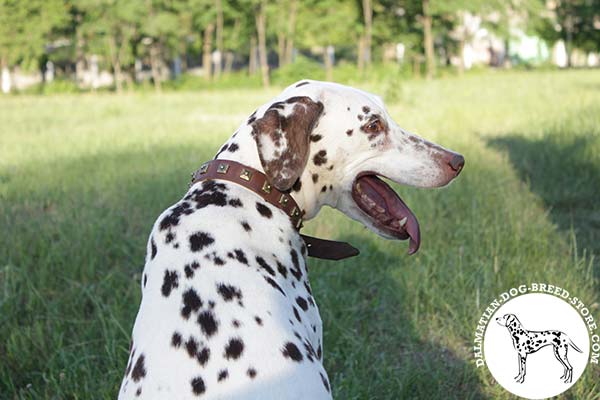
{"x": 308, "y": 196}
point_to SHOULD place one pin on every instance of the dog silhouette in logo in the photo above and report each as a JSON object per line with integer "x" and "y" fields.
{"x": 528, "y": 342}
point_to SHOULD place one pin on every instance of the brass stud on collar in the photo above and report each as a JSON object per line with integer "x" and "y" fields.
{"x": 283, "y": 199}
{"x": 222, "y": 168}
{"x": 203, "y": 169}
{"x": 246, "y": 174}
{"x": 266, "y": 187}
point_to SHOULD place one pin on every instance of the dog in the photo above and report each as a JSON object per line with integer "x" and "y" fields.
{"x": 528, "y": 342}
{"x": 227, "y": 309}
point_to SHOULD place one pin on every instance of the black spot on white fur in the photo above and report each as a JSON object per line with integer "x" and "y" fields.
{"x": 139, "y": 369}
{"x": 302, "y": 303}
{"x": 229, "y": 292}
{"x": 264, "y": 210}
{"x": 271, "y": 282}
{"x": 264, "y": 265}
{"x": 176, "y": 340}
{"x": 234, "y": 349}
{"x": 170, "y": 282}
{"x": 198, "y": 386}
{"x": 233, "y": 147}
{"x": 325, "y": 383}
{"x": 223, "y": 374}
{"x": 208, "y": 323}
{"x": 153, "y": 249}
{"x": 320, "y": 158}
{"x": 191, "y": 303}
{"x": 290, "y": 350}
{"x": 200, "y": 240}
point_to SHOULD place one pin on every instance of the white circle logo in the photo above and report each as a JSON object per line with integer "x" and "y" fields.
{"x": 536, "y": 345}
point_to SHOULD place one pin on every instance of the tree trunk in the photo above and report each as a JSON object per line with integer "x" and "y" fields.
{"x": 128, "y": 81}
{"x": 281, "y": 48}
{"x": 154, "y": 66}
{"x": 361, "y": 55}
{"x": 79, "y": 53}
{"x": 116, "y": 64}
{"x": 206, "y": 52}
{"x": 506, "y": 59}
{"x": 328, "y": 64}
{"x": 118, "y": 76}
{"x": 461, "y": 49}
{"x": 289, "y": 45}
{"x": 218, "y": 64}
{"x": 229, "y": 56}
{"x": 262, "y": 43}
{"x": 368, "y": 17}
{"x": 428, "y": 38}
{"x": 184, "y": 57}
{"x": 252, "y": 63}
{"x": 5, "y": 72}
{"x": 568, "y": 28}
{"x": 281, "y": 33}
{"x": 416, "y": 67}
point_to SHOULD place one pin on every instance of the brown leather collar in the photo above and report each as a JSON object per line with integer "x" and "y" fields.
{"x": 256, "y": 181}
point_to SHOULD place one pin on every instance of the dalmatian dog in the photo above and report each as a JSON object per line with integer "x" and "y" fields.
{"x": 227, "y": 310}
{"x": 528, "y": 342}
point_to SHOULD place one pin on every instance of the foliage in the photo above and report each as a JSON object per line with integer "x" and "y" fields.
{"x": 234, "y": 80}
{"x": 26, "y": 27}
{"x": 156, "y": 32}
{"x": 577, "y": 23}
{"x": 302, "y": 68}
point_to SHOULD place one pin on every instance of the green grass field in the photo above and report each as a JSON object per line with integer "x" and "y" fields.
{"x": 83, "y": 177}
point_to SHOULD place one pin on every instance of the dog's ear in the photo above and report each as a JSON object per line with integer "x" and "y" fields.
{"x": 282, "y": 138}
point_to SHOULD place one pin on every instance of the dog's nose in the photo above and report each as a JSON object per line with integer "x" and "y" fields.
{"x": 456, "y": 162}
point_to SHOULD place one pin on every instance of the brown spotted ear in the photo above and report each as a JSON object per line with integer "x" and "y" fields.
{"x": 282, "y": 138}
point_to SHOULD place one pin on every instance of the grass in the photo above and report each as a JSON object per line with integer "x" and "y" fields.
{"x": 83, "y": 177}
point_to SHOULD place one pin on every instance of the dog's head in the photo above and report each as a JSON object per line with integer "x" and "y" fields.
{"x": 331, "y": 144}
{"x": 507, "y": 320}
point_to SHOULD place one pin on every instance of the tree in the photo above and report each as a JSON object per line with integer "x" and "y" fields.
{"x": 284, "y": 14}
{"x": 219, "y": 12}
{"x": 327, "y": 31}
{"x": 161, "y": 34}
{"x": 262, "y": 41}
{"x": 428, "y": 39}
{"x": 577, "y": 23}
{"x": 364, "y": 44}
{"x": 25, "y": 28}
{"x": 110, "y": 28}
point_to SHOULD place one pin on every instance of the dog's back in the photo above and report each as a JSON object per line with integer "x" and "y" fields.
{"x": 216, "y": 304}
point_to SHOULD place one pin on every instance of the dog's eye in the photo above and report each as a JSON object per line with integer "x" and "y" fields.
{"x": 374, "y": 126}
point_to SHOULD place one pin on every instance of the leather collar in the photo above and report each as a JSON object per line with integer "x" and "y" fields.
{"x": 257, "y": 182}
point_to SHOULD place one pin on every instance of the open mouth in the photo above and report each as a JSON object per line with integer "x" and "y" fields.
{"x": 386, "y": 209}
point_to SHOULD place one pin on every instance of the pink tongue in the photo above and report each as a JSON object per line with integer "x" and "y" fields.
{"x": 383, "y": 194}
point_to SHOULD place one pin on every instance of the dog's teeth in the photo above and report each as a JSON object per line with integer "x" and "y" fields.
{"x": 379, "y": 209}
{"x": 403, "y": 221}
{"x": 368, "y": 201}
{"x": 358, "y": 188}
